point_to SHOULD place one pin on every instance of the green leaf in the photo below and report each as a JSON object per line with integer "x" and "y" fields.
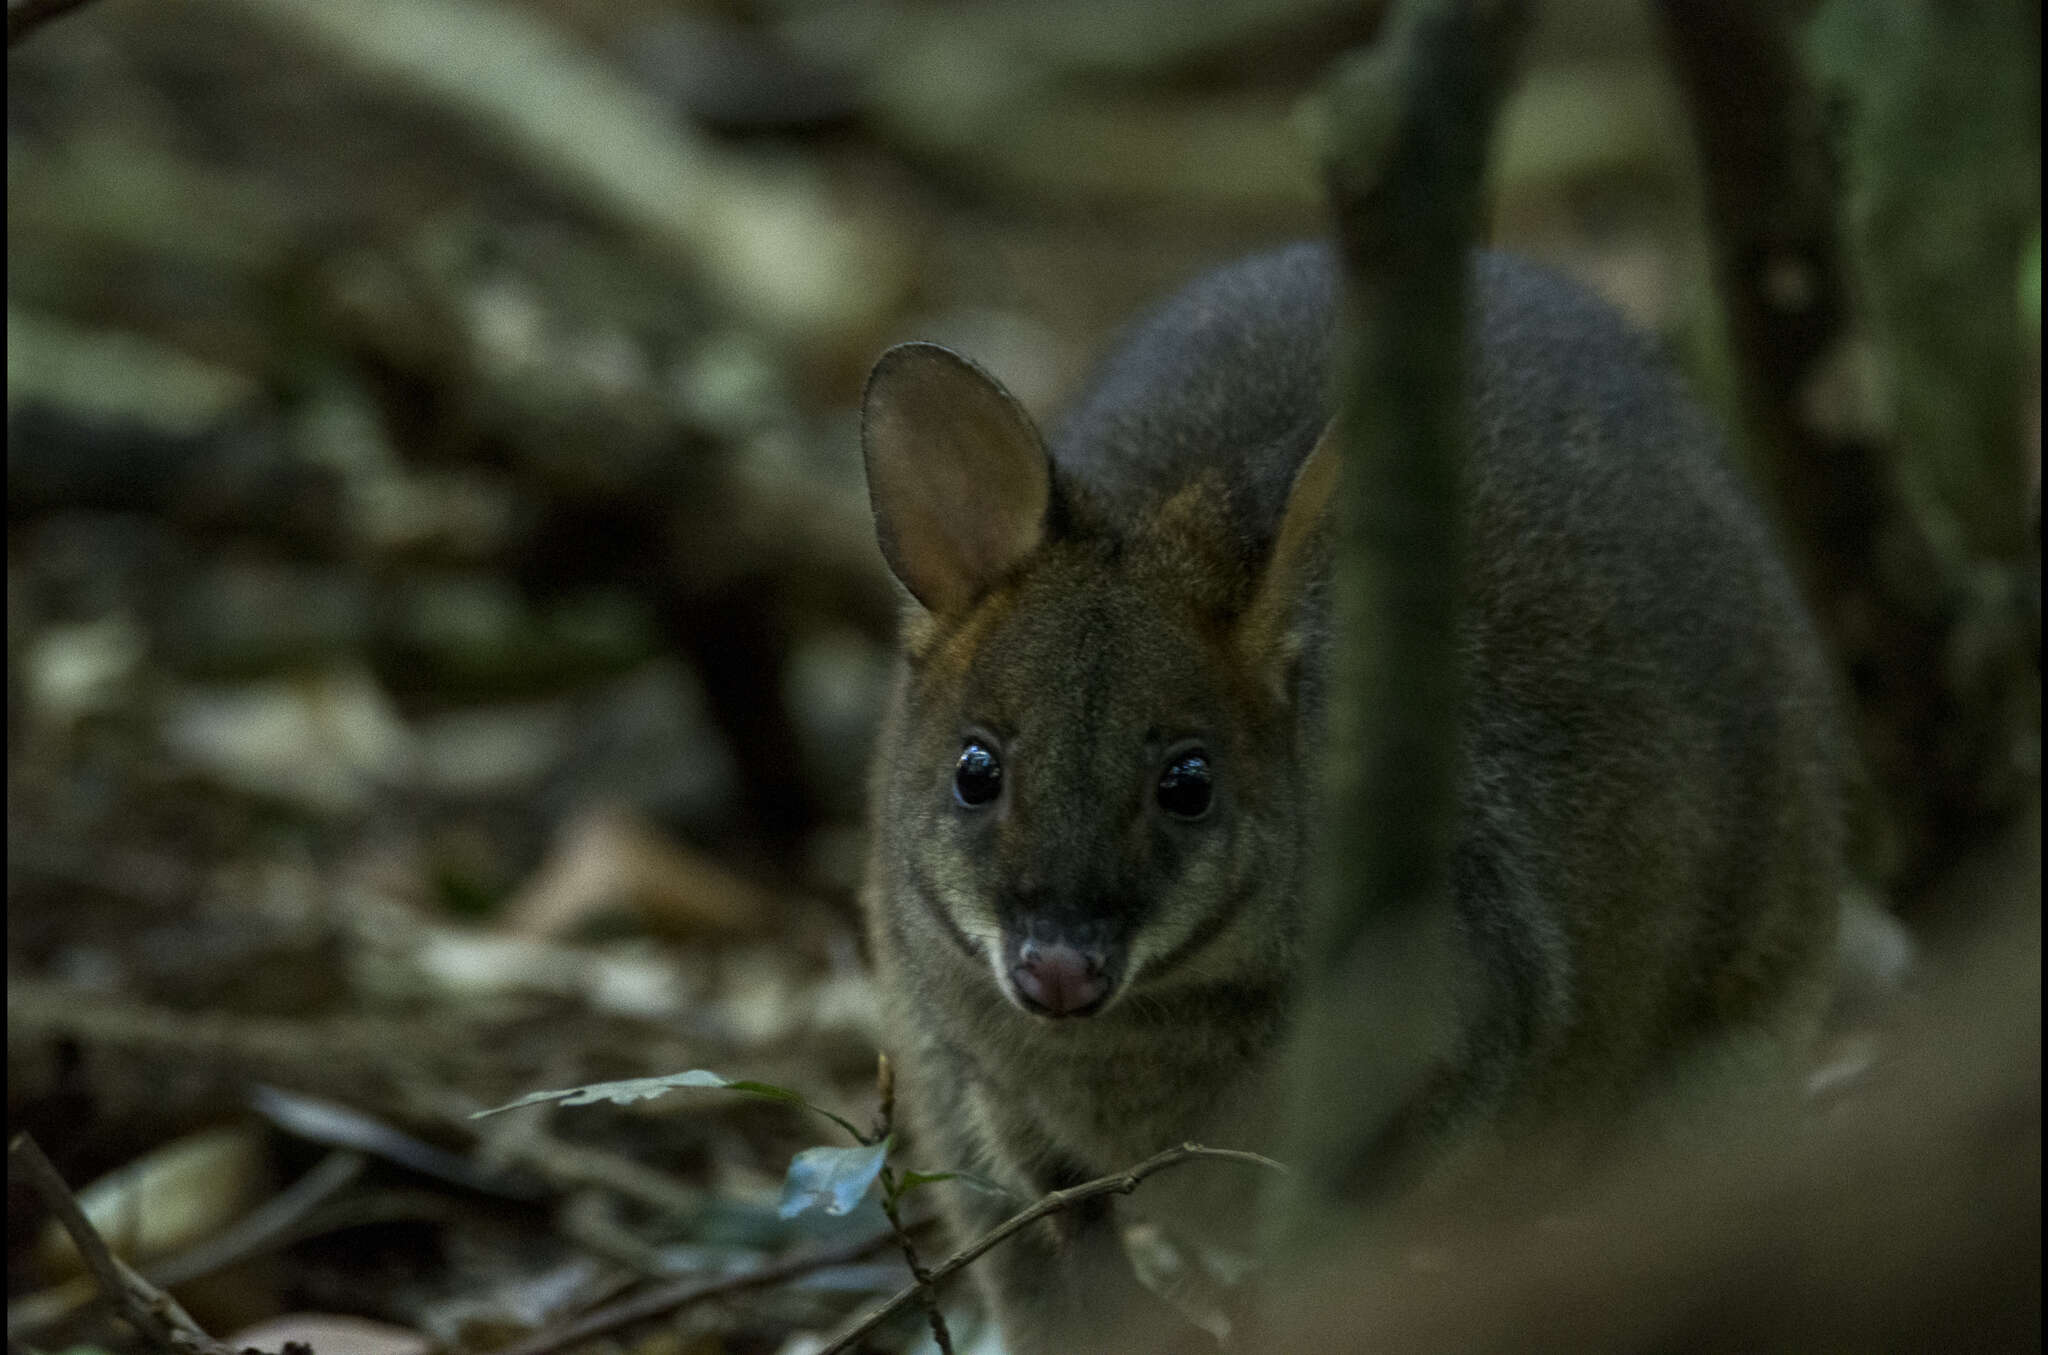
{"x": 831, "y": 1179}
{"x": 619, "y": 1093}
{"x": 646, "y": 1088}
{"x": 911, "y": 1180}
{"x": 775, "y": 1093}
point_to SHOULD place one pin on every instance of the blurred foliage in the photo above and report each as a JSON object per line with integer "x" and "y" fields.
{"x": 1941, "y": 147}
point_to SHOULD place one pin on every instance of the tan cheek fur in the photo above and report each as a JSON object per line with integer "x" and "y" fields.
{"x": 940, "y": 651}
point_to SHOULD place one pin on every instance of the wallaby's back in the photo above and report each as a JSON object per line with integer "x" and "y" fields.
{"x": 1095, "y": 782}
{"x": 1650, "y": 836}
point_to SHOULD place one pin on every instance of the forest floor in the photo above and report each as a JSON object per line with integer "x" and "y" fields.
{"x": 444, "y": 630}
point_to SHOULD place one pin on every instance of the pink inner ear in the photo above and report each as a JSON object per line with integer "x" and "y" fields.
{"x": 956, "y": 473}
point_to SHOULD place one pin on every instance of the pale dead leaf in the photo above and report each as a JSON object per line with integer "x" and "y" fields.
{"x": 331, "y": 1334}
{"x": 608, "y": 859}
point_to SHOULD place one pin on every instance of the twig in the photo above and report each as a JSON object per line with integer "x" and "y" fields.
{"x": 347, "y": 1059}
{"x": 275, "y": 1223}
{"x": 26, "y": 16}
{"x": 155, "y": 1314}
{"x": 667, "y": 1298}
{"x": 885, "y": 1086}
{"x": 1122, "y": 1183}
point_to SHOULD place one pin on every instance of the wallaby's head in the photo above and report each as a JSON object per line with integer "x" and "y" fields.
{"x": 1091, "y": 786}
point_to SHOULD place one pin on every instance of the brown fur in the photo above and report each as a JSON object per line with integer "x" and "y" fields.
{"x": 1647, "y": 841}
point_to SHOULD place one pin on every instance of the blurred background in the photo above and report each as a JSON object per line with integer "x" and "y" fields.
{"x": 444, "y": 628}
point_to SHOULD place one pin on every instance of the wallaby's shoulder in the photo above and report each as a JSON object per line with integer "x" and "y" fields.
{"x": 1097, "y": 784}
{"x": 1228, "y": 381}
{"x": 1221, "y": 385}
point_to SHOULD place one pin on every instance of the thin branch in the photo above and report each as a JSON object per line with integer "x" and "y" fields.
{"x": 1122, "y": 1183}
{"x": 155, "y": 1314}
{"x": 885, "y": 1087}
{"x": 275, "y": 1224}
{"x": 271, "y": 1225}
{"x": 667, "y": 1298}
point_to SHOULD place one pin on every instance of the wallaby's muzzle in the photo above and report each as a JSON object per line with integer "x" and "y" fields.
{"x": 1057, "y": 977}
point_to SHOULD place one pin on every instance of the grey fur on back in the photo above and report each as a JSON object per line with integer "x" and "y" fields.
{"x": 1230, "y": 373}
{"x": 1647, "y": 841}
{"x": 1650, "y": 835}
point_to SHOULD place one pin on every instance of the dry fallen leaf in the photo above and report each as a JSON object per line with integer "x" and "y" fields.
{"x": 609, "y": 859}
{"x": 331, "y": 1334}
{"x": 166, "y": 1200}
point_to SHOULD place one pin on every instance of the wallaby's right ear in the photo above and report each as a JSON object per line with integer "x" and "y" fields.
{"x": 1270, "y": 629}
{"x": 956, "y": 472}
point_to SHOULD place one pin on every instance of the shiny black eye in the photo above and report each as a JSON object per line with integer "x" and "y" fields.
{"x": 1185, "y": 788}
{"x": 978, "y": 775}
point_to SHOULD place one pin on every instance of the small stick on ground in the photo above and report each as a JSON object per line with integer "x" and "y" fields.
{"x": 1122, "y": 1183}
{"x": 272, "y": 1225}
{"x": 155, "y": 1314}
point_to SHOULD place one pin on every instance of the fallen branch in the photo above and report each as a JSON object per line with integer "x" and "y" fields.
{"x": 772, "y": 245}
{"x": 668, "y": 1298}
{"x": 274, "y": 1224}
{"x": 1122, "y": 1183}
{"x": 154, "y": 1313}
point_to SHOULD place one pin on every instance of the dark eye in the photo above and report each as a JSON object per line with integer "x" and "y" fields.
{"x": 1185, "y": 787}
{"x": 978, "y": 775}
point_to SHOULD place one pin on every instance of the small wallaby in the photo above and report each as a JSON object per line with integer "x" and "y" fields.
{"x": 1094, "y": 787}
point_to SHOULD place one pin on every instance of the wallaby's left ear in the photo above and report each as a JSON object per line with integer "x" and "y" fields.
{"x": 957, "y": 474}
{"x": 1269, "y": 633}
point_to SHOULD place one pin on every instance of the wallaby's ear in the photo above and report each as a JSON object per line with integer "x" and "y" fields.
{"x": 957, "y": 474}
{"x": 1269, "y": 631}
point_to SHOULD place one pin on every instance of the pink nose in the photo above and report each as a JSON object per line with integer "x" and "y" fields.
{"x": 1059, "y": 979}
